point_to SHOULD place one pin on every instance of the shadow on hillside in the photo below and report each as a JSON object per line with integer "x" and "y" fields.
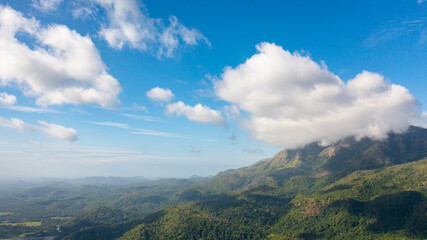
{"x": 249, "y": 208}
{"x": 286, "y": 173}
{"x": 401, "y": 211}
{"x": 310, "y": 236}
{"x": 106, "y": 231}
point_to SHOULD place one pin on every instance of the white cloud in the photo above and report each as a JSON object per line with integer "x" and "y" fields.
{"x": 292, "y": 101}
{"x": 395, "y": 29}
{"x": 111, "y": 124}
{"x": 159, "y": 133}
{"x": 422, "y": 121}
{"x": 54, "y": 130}
{"x": 160, "y": 94}
{"x": 62, "y": 68}
{"x": 141, "y": 131}
{"x": 421, "y": 1}
{"x": 142, "y": 118}
{"x": 58, "y": 131}
{"x": 82, "y": 12}
{"x": 232, "y": 112}
{"x": 30, "y": 109}
{"x": 139, "y": 108}
{"x": 130, "y": 25}
{"x": 198, "y": 113}
{"x": 171, "y": 35}
{"x": 46, "y": 5}
{"x": 7, "y": 99}
{"x": 16, "y": 124}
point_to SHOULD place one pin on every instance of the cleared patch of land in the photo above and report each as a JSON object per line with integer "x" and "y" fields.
{"x": 24, "y": 224}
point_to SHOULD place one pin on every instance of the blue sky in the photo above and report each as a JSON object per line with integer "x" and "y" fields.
{"x": 177, "y": 88}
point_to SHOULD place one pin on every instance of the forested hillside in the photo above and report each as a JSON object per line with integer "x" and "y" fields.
{"x": 353, "y": 189}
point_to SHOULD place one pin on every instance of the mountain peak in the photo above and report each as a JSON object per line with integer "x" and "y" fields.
{"x": 345, "y": 156}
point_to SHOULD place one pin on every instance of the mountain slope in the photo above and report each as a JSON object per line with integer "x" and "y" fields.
{"x": 389, "y": 202}
{"x": 315, "y": 192}
{"x": 340, "y": 158}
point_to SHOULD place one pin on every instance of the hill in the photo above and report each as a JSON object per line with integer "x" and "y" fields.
{"x": 352, "y": 189}
{"x": 384, "y": 203}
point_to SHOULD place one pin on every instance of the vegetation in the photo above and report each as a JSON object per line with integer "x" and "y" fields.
{"x": 364, "y": 205}
{"x": 363, "y": 189}
{"x": 64, "y": 206}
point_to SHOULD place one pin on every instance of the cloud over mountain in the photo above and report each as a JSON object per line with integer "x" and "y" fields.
{"x": 292, "y": 100}
{"x": 62, "y": 67}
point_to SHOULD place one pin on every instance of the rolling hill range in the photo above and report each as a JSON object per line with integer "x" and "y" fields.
{"x": 365, "y": 189}
{"x": 353, "y": 189}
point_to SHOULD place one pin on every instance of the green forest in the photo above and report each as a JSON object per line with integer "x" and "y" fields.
{"x": 365, "y": 189}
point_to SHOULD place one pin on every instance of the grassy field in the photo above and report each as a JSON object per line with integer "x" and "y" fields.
{"x": 24, "y": 224}
{"x": 61, "y": 218}
{"x": 5, "y": 213}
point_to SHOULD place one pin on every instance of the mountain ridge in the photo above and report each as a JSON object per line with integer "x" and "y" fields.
{"x": 342, "y": 157}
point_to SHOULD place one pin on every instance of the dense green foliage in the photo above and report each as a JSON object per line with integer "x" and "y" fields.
{"x": 364, "y": 189}
{"x": 388, "y": 202}
{"x": 310, "y": 193}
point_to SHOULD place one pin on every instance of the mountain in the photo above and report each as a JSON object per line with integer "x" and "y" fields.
{"x": 352, "y": 189}
{"x": 388, "y": 203}
{"x": 341, "y": 158}
{"x": 366, "y": 189}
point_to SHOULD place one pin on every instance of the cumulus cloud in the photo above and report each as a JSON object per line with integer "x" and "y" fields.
{"x": 291, "y": 100}
{"x": 7, "y": 99}
{"x": 198, "y": 113}
{"x": 54, "y": 130}
{"x": 46, "y": 5}
{"x": 130, "y": 25}
{"x": 160, "y": 94}
{"x": 63, "y": 67}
